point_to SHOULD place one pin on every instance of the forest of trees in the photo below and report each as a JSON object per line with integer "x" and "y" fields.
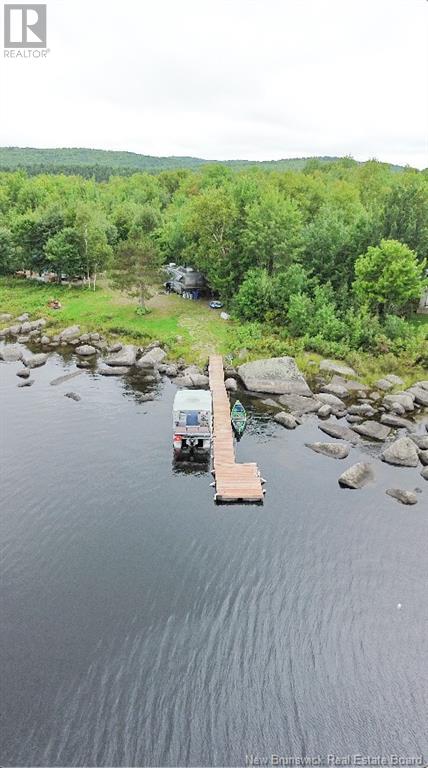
{"x": 335, "y": 254}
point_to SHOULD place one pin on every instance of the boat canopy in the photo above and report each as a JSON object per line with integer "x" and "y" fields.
{"x": 193, "y": 400}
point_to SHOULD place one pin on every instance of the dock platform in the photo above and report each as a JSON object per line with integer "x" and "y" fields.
{"x": 233, "y": 481}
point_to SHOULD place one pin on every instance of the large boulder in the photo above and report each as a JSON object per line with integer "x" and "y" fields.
{"x": 332, "y": 366}
{"x": 420, "y": 395}
{"x": 338, "y": 431}
{"x": 324, "y": 412}
{"x": 349, "y": 384}
{"x": 231, "y": 385}
{"x": 151, "y": 358}
{"x": 397, "y": 422}
{"x": 35, "y": 361}
{"x": 420, "y": 440}
{"x": 126, "y": 356}
{"x": 286, "y": 420}
{"x": 424, "y": 473}
{"x": 401, "y": 398}
{"x": 404, "y": 497}
{"x": 383, "y": 384}
{"x": 198, "y": 380}
{"x": 275, "y": 375}
{"x": 423, "y": 456}
{"x": 72, "y": 332}
{"x": 86, "y": 350}
{"x": 335, "y": 389}
{"x": 332, "y": 400}
{"x": 403, "y": 452}
{"x": 395, "y": 380}
{"x": 11, "y": 353}
{"x": 373, "y": 430}
{"x": 357, "y": 476}
{"x": 5, "y": 317}
{"x": 335, "y": 450}
{"x": 299, "y": 404}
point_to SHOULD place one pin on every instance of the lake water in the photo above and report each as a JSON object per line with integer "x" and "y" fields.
{"x": 141, "y": 624}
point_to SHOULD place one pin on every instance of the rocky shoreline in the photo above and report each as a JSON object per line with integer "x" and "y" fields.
{"x": 383, "y": 414}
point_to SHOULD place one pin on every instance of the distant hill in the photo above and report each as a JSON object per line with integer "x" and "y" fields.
{"x": 103, "y": 163}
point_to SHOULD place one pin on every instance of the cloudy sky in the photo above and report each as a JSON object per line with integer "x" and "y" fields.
{"x": 256, "y": 79}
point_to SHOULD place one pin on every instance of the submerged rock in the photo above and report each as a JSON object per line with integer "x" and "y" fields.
{"x": 11, "y": 354}
{"x": 66, "y": 377}
{"x": 73, "y": 396}
{"x": 115, "y": 370}
{"x": 286, "y": 420}
{"x": 402, "y": 452}
{"x": 275, "y": 375}
{"x": 357, "y": 476}
{"x": 372, "y": 429}
{"x": 299, "y": 404}
{"x": 26, "y": 383}
{"x": 335, "y": 450}
{"x": 35, "y": 361}
{"x": 340, "y": 432}
{"x": 404, "y": 497}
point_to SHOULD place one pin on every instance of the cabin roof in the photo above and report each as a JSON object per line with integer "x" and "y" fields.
{"x": 192, "y": 400}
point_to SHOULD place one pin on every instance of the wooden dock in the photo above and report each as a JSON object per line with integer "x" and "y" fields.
{"x": 233, "y": 482}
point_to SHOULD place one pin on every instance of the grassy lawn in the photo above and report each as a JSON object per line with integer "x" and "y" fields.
{"x": 189, "y": 329}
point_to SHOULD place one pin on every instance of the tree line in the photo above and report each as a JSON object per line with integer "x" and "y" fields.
{"x": 335, "y": 253}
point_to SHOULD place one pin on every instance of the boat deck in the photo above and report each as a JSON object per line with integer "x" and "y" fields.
{"x": 233, "y": 481}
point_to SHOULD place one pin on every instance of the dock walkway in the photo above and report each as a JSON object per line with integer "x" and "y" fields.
{"x": 233, "y": 482}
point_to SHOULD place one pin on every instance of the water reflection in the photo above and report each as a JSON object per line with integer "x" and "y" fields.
{"x": 190, "y": 465}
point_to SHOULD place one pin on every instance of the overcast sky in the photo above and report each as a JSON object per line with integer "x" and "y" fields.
{"x": 256, "y": 79}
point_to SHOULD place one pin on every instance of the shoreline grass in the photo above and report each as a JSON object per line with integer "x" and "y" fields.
{"x": 189, "y": 329}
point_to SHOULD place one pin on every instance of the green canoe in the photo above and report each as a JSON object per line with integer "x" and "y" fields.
{"x": 238, "y": 418}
